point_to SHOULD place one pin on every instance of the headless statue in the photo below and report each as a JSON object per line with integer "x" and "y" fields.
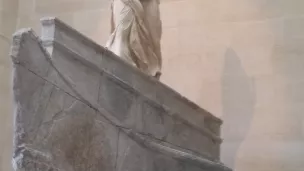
{"x": 135, "y": 34}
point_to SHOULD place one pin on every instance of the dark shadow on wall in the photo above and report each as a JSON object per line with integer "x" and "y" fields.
{"x": 238, "y": 101}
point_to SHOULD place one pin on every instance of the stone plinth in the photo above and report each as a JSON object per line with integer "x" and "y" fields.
{"x": 79, "y": 107}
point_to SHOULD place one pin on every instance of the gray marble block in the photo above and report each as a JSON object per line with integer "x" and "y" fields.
{"x": 78, "y": 107}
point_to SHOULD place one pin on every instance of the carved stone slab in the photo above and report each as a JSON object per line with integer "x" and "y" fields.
{"x": 79, "y": 107}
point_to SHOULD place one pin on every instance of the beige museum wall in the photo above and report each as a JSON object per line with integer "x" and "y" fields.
{"x": 8, "y": 16}
{"x": 242, "y": 60}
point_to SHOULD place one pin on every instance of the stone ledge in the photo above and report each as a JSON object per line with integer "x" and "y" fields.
{"x": 56, "y": 32}
{"x": 123, "y": 105}
{"x": 55, "y": 107}
{"x": 128, "y": 84}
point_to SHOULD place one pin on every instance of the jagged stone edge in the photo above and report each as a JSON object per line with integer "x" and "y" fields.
{"x": 149, "y": 142}
{"x": 19, "y": 156}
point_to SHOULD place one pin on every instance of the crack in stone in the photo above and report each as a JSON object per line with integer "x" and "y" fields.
{"x": 62, "y": 113}
{"x": 41, "y": 122}
{"x": 117, "y": 150}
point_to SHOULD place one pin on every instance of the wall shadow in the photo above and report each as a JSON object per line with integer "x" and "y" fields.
{"x": 238, "y": 101}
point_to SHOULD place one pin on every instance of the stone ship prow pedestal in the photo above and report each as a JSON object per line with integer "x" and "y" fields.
{"x": 79, "y": 107}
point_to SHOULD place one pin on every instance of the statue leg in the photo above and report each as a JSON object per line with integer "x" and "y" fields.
{"x": 121, "y": 22}
{"x": 154, "y": 26}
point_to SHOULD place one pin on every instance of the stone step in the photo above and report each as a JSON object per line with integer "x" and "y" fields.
{"x": 79, "y": 107}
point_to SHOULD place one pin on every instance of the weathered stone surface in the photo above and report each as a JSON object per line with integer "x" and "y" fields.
{"x": 155, "y": 121}
{"x": 74, "y": 114}
{"x": 77, "y": 140}
{"x": 56, "y": 33}
{"x": 115, "y": 98}
{"x": 65, "y": 38}
{"x": 30, "y": 90}
{"x": 33, "y": 54}
{"x": 124, "y": 92}
{"x": 135, "y": 112}
{"x": 55, "y": 131}
{"x": 131, "y": 152}
{"x": 113, "y": 65}
{"x": 78, "y": 76}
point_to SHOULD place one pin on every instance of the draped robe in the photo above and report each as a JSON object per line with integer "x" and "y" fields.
{"x": 136, "y": 33}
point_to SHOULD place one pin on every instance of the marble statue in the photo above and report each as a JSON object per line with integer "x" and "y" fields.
{"x": 136, "y": 31}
